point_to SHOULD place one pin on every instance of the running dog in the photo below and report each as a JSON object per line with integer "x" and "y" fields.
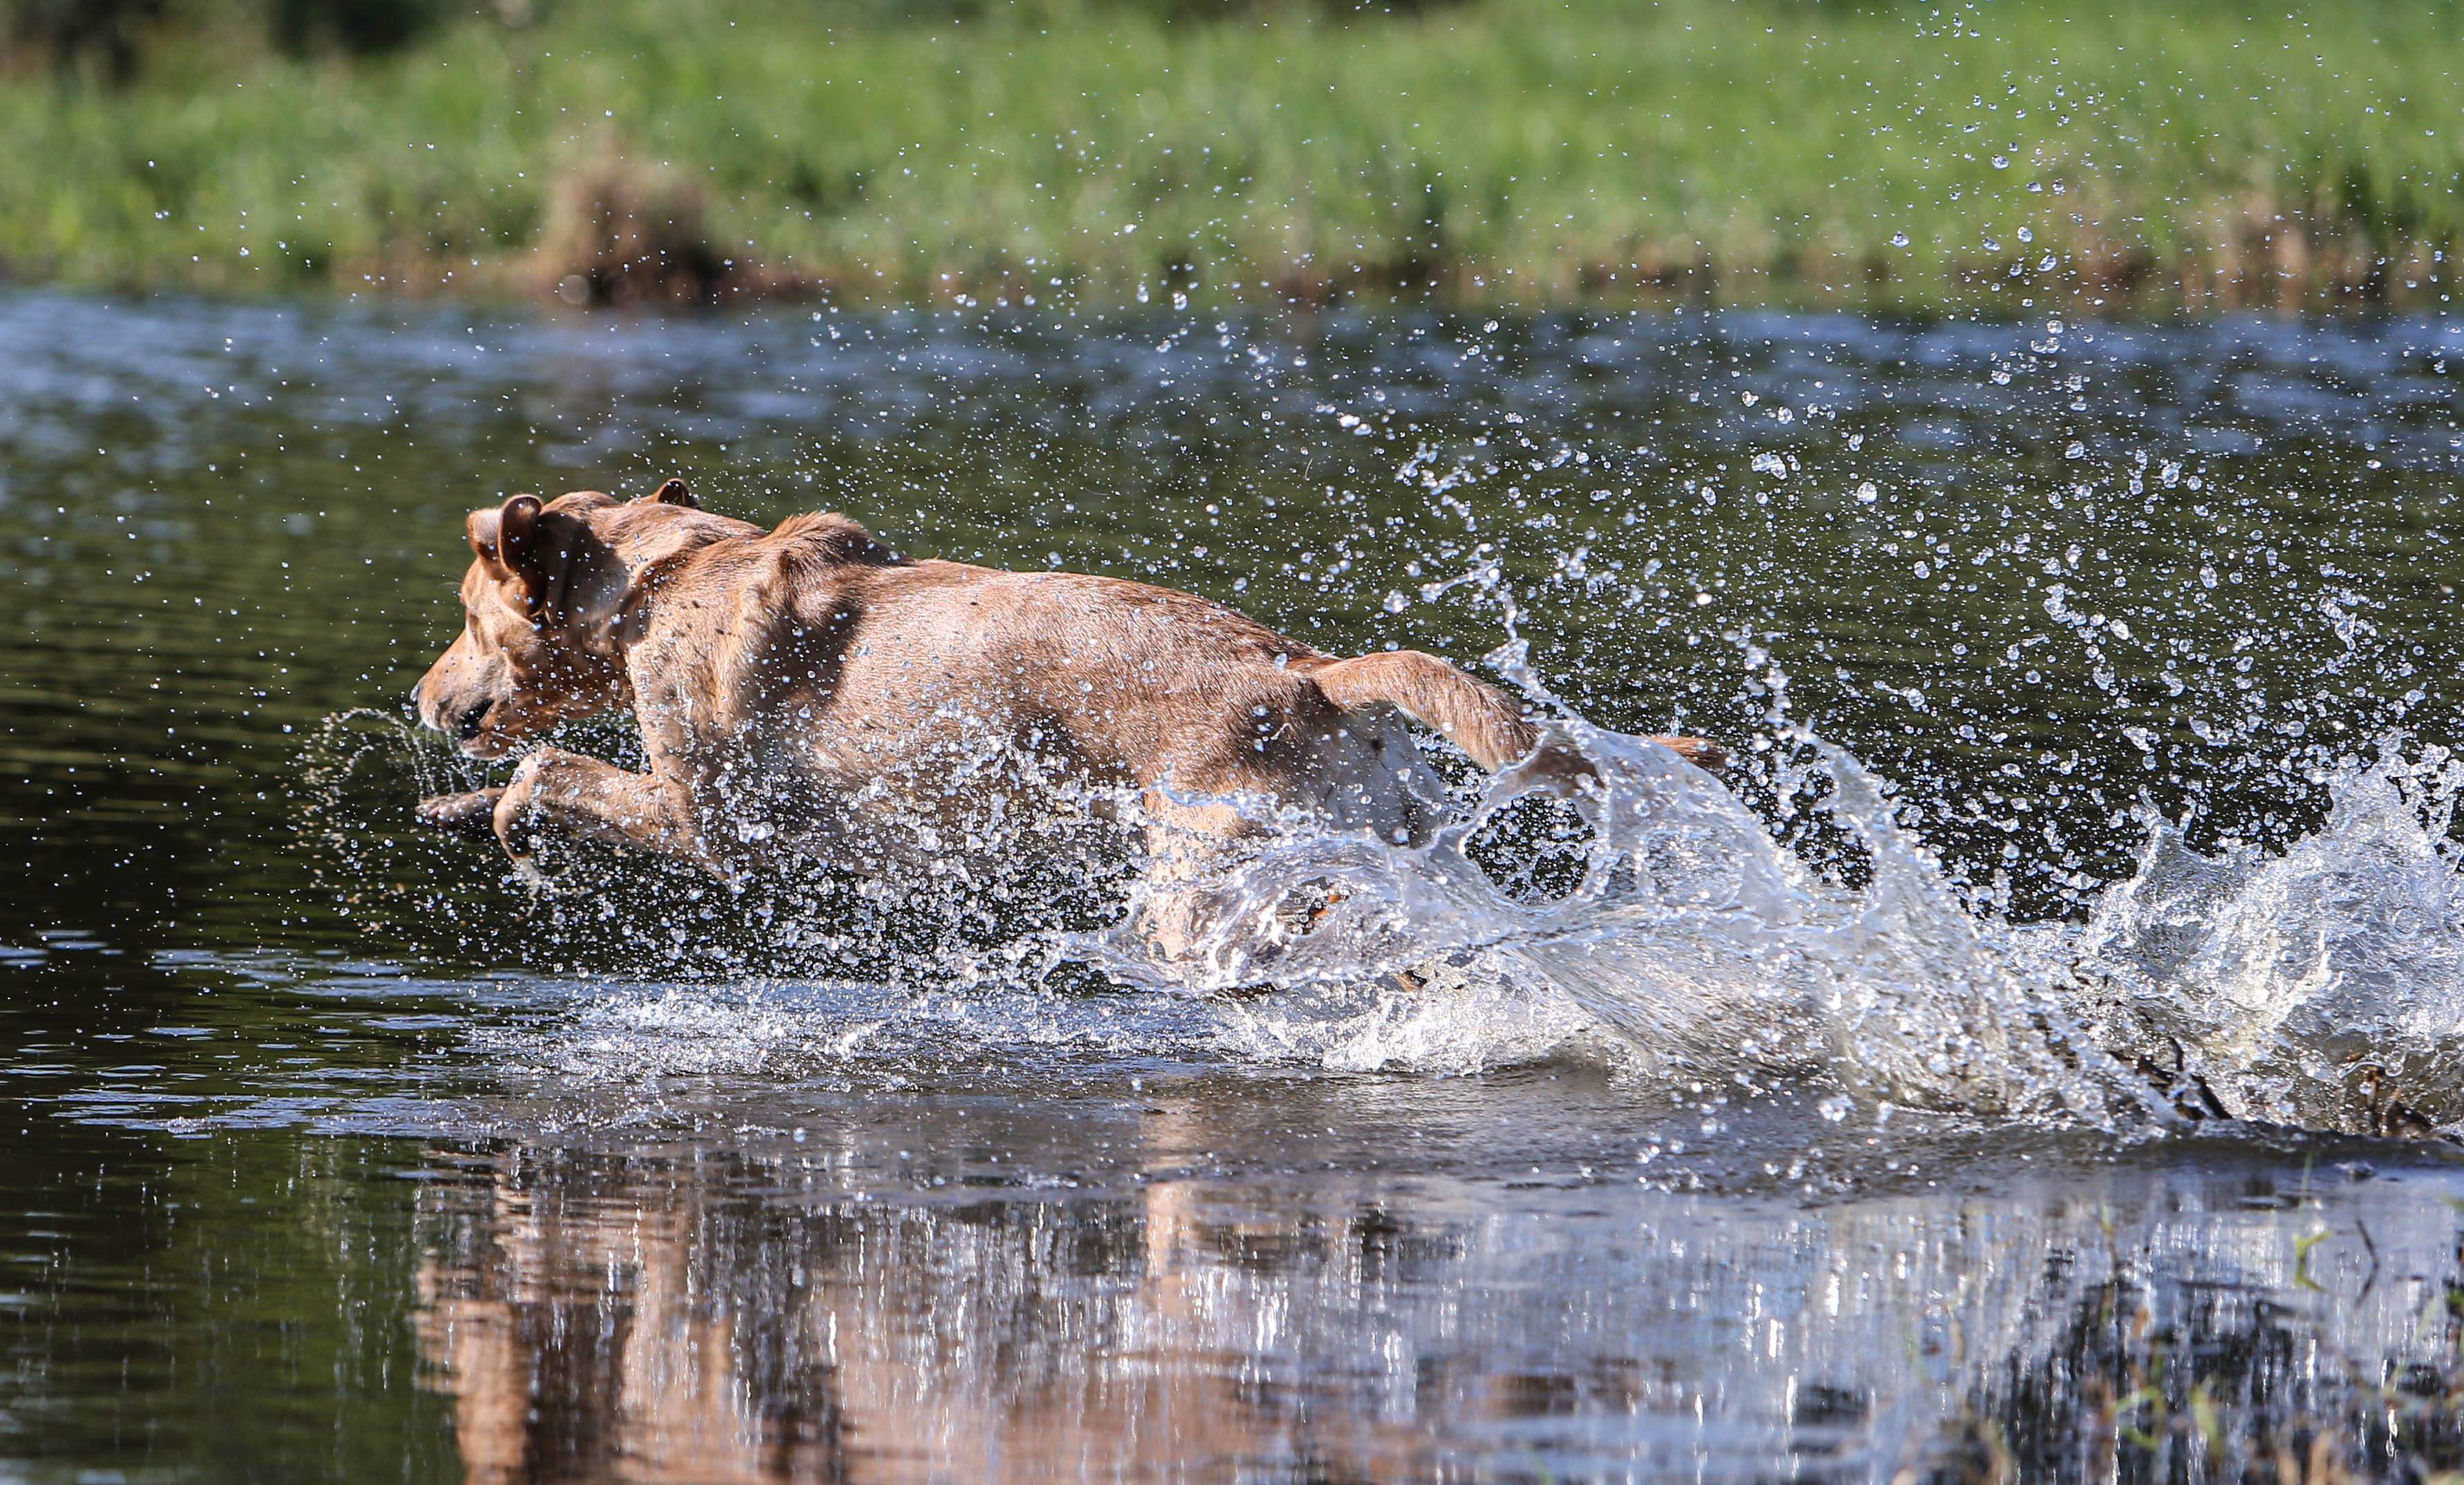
{"x": 808, "y": 687}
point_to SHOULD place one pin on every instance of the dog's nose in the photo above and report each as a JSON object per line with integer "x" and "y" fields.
{"x": 418, "y": 702}
{"x": 468, "y": 724}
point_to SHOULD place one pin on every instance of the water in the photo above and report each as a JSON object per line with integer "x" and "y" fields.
{"x": 2089, "y": 684}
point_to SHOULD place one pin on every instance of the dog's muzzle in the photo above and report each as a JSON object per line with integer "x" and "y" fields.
{"x": 464, "y": 726}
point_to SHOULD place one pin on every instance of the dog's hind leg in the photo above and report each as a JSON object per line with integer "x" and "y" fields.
{"x": 1185, "y": 902}
{"x": 1184, "y": 842}
{"x": 559, "y": 796}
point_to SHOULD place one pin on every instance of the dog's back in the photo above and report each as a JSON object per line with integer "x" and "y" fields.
{"x": 820, "y": 641}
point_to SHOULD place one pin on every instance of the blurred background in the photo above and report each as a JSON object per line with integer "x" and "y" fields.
{"x": 1872, "y": 154}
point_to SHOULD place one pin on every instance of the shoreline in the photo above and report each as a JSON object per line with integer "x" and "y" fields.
{"x": 2196, "y": 289}
{"x": 1522, "y": 153}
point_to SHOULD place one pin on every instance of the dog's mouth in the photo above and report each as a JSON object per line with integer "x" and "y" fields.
{"x": 472, "y": 730}
{"x": 484, "y": 743}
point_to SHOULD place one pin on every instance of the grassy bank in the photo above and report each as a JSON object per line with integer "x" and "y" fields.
{"x": 1876, "y": 154}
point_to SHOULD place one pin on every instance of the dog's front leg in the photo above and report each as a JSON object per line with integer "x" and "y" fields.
{"x": 471, "y": 815}
{"x": 557, "y": 795}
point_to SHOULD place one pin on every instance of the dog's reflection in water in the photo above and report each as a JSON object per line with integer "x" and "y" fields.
{"x": 740, "y": 1316}
{"x": 661, "y": 1332}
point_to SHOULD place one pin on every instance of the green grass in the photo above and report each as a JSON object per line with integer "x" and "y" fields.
{"x": 1877, "y": 154}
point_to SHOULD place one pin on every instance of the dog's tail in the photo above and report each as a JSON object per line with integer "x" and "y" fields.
{"x": 1475, "y": 717}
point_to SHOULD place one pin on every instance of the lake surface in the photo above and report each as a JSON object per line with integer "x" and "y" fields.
{"x": 2090, "y": 684}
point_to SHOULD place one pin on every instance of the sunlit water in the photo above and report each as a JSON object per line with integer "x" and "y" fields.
{"x": 1994, "y": 1066}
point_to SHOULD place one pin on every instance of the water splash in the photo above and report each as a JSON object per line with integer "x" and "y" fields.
{"x": 2322, "y": 986}
{"x": 1688, "y": 943}
{"x": 1710, "y": 954}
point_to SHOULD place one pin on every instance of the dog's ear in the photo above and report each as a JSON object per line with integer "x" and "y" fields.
{"x": 673, "y": 492}
{"x": 507, "y": 536}
{"x": 540, "y": 546}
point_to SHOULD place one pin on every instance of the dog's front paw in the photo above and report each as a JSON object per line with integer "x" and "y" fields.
{"x": 472, "y": 815}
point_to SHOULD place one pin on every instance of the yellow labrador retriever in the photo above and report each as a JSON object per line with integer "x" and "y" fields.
{"x": 807, "y": 688}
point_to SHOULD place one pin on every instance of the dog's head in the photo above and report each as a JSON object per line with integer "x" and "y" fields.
{"x": 541, "y": 601}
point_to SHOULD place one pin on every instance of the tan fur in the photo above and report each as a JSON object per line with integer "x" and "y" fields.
{"x": 808, "y": 684}
{"x": 1474, "y": 717}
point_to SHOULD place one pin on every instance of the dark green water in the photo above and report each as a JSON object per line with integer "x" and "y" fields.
{"x": 340, "y": 1153}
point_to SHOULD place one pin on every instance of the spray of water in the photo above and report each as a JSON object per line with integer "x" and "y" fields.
{"x": 1690, "y": 941}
